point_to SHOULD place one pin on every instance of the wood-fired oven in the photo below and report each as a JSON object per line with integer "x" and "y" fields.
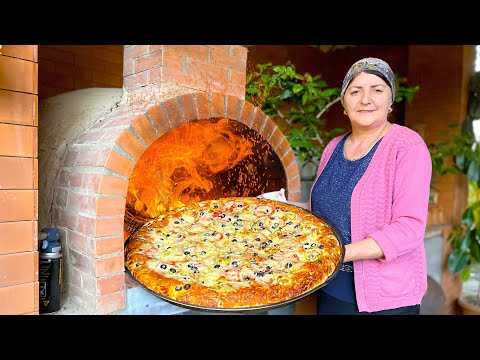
{"x": 181, "y": 133}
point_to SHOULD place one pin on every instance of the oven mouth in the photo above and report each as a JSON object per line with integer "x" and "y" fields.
{"x": 200, "y": 160}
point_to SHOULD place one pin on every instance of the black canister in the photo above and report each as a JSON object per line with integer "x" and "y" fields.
{"x": 50, "y": 272}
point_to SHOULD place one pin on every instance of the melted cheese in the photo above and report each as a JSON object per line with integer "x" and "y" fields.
{"x": 231, "y": 245}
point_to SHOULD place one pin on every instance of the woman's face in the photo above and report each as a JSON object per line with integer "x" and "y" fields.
{"x": 367, "y": 100}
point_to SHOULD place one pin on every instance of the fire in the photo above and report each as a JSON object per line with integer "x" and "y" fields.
{"x": 180, "y": 167}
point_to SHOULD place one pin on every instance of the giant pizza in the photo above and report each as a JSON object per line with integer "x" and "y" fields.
{"x": 234, "y": 253}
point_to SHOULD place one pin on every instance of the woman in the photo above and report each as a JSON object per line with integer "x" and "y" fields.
{"x": 373, "y": 186}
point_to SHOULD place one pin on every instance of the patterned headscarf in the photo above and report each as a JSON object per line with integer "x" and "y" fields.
{"x": 374, "y": 65}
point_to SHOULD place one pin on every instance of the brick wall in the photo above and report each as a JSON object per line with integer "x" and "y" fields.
{"x": 152, "y": 72}
{"x": 442, "y": 100}
{"x": 64, "y": 68}
{"x": 18, "y": 179}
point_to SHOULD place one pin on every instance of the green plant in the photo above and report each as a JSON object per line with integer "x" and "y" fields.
{"x": 297, "y": 102}
{"x": 461, "y": 153}
{"x": 465, "y": 237}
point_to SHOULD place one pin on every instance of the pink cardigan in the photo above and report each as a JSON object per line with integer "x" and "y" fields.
{"x": 390, "y": 205}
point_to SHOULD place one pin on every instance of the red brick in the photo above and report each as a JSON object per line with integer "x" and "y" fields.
{"x": 198, "y": 52}
{"x": 70, "y": 179}
{"x": 131, "y": 145}
{"x": 246, "y": 116}
{"x": 92, "y": 158}
{"x": 18, "y": 299}
{"x": 111, "y": 284}
{"x": 86, "y": 225}
{"x": 283, "y": 147}
{"x": 159, "y": 119}
{"x": 113, "y": 186}
{"x": 108, "y": 246}
{"x": 288, "y": 158}
{"x": 238, "y": 78}
{"x": 111, "y": 303}
{"x": 70, "y": 158}
{"x": 218, "y": 105}
{"x": 17, "y": 205}
{"x": 203, "y": 106}
{"x": 144, "y": 129}
{"x": 16, "y": 173}
{"x": 276, "y": 138}
{"x": 268, "y": 129}
{"x": 148, "y": 61}
{"x": 18, "y": 268}
{"x": 80, "y": 243}
{"x": 127, "y": 68}
{"x": 228, "y": 61}
{"x": 134, "y": 51}
{"x": 224, "y": 48}
{"x": 16, "y": 140}
{"x": 80, "y": 279}
{"x": 188, "y": 107}
{"x": 81, "y": 262}
{"x": 190, "y": 81}
{"x": 108, "y": 227}
{"x": 35, "y": 174}
{"x": 17, "y": 108}
{"x": 236, "y": 90}
{"x": 233, "y": 107}
{"x": 66, "y": 218}
{"x": 82, "y": 203}
{"x": 239, "y": 51}
{"x": 25, "y": 52}
{"x": 107, "y": 206}
{"x": 17, "y": 236}
{"x": 258, "y": 120}
{"x": 136, "y": 80}
{"x": 174, "y": 61}
{"x": 172, "y": 108}
{"x": 109, "y": 266}
{"x": 119, "y": 164}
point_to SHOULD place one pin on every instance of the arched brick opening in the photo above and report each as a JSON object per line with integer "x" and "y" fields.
{"x": 90, "y": 193}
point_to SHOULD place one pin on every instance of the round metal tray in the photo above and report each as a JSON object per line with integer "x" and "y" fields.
{"x": 250, "y": 308}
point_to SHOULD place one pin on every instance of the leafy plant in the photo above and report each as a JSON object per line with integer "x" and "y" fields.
{"x": 461, "y": 153}
{"x": 297, "y": 102}
{"x": 465, "y": 238}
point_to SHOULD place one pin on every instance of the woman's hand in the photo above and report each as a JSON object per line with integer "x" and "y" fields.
{"x": 362, "y": 250}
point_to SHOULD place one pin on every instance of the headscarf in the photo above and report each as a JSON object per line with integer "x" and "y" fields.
{"x": 373, "y": 65}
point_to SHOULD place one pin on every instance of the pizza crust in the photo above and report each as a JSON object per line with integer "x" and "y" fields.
{"x": 234, "y": 253}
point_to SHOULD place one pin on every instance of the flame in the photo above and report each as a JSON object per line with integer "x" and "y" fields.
{"x": 180, "y": 167}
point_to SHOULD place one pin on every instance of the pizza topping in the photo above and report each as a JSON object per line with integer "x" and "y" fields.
{"x": 233, "y": 252}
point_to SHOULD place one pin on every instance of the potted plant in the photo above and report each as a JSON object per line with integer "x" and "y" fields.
{"x": 464, "y": 238}
{"x": 296, "y": 102}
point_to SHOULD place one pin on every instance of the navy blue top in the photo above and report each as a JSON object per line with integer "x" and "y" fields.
{"x": 331, "y": 196}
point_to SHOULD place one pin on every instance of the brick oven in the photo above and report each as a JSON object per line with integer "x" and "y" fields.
{"x": 182, "y": 132}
